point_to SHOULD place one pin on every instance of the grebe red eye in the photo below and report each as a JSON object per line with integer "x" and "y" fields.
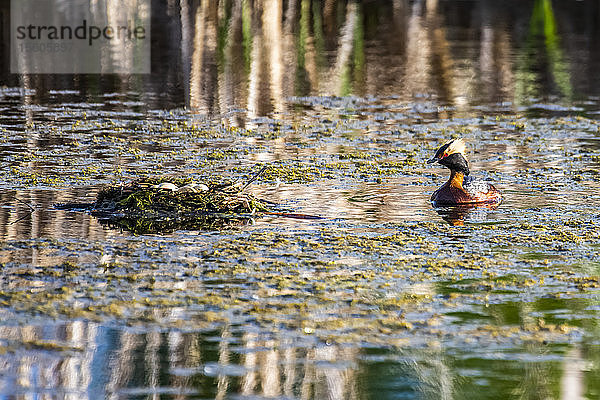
{"x": 444, "y": 156}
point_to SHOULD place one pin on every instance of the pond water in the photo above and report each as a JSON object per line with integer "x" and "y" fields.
{"x": 384, "y": 296}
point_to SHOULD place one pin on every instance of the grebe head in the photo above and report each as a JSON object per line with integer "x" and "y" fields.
{"x": 452, "y": 155}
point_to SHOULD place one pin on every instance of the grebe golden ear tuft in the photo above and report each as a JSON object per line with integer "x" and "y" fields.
{"x": 450, "y": 147}
{"x": 456, "y": 146}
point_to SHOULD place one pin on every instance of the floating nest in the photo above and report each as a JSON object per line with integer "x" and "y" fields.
{"x": 153, "y": 205}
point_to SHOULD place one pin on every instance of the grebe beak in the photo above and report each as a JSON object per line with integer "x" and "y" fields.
{"x": 432, "y": 160}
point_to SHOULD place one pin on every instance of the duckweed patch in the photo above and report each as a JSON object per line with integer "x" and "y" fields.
{"x": 406, "y": 281}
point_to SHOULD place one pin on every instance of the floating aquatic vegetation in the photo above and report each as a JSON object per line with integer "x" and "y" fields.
{"x": 174, "y": 196}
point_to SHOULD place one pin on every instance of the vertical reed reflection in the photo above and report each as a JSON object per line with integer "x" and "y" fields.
{"x": 254, "y": 55}
{"x": 34, "y": 374}
{"x": 222, "y": 56}
{"x": 543, "y": 52}
{"x": 82, "y": 359}
{"x": 203, "y": 76}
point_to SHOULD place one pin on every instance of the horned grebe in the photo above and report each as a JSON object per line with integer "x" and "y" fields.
{"x": 461, "y": 188}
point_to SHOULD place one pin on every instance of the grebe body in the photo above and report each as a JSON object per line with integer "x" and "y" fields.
{"x": 461, "y": 188}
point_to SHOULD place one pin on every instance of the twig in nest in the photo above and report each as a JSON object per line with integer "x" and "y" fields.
{"x": 255, "y": 177}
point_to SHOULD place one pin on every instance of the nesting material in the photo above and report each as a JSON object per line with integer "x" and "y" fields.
{"x": 150, "y": 205}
